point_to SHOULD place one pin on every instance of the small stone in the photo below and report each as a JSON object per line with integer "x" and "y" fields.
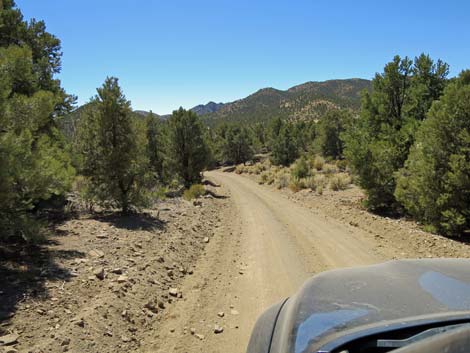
{"x": 10, "y": 350}
{"x": 170, "y": 273}
{"x": 161, "y": 259}
{"x": 99, "y": 273}
{"x": 220, "y": 314}
{"x": 40, "y": 312}
{"x": 122, "y": 279}
{"x": 9, "y": 339}
{"x": 197, "y": 335}
{"x": 218, "y": 329}
{"x": 151, "y": 306}
{"x": 96, "y": 253}
{"x": 173, "y": 292}
{"x": 125, "y": 339}
{"x": 172, "y": 330}
{"x": 233, "y": 312}
{"x": 206, "y": 240}
{"x": 161, "y": 304}
{"x": 117, "y": 271}
{"x": 80, "y": 322}
{"x": 65, "y": 342}
{"x": 192, "y": 330}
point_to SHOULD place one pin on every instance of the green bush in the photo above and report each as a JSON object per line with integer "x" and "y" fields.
{"x": 195, "y": 191}
{"x": 300, "y": 169}
{"x": 339, "y": 182}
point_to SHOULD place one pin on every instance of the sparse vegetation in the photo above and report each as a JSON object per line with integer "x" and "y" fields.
{"x": 195, "y": 191}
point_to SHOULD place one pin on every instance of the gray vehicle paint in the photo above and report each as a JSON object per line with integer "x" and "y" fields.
{"x": 336, "y": 306}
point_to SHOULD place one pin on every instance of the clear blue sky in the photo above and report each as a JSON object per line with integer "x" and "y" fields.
{"x": 181, "y": 53}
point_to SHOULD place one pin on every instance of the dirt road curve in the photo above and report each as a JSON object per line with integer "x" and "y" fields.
{"x": 267, "y": 248}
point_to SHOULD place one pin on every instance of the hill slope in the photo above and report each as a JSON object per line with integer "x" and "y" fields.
{"x": 306, "y": 101}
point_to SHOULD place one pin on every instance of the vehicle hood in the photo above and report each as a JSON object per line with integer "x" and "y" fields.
{"x": 336, "y": 303}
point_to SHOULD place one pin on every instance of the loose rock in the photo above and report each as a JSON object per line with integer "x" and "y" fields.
{"x": 99, "y": 273}
{"x": 9, "y": 339}
{"x": 218, "y": 329}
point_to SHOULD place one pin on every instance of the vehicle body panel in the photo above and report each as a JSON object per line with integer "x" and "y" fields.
{"x": 338, "y": 304}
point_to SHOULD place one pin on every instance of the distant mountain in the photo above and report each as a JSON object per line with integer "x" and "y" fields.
{"x": 203, "y": 109}
{"x": 310, "y": 100}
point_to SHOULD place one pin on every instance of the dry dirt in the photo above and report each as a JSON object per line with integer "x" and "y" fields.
{"x": 261, "y": 245}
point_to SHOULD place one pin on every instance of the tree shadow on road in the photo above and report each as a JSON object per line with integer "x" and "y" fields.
{"x": 25, "y": 271}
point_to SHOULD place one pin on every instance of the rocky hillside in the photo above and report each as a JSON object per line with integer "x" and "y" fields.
{"x": 306, "y": 101}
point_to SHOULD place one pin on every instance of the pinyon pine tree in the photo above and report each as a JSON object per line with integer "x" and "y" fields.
{"x": 434, "y": 185}
{"x": 187, "y": 153}
{"x": 113, "y": 150}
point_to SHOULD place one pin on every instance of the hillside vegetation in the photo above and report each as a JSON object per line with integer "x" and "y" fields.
{"x": 310, "y": 100}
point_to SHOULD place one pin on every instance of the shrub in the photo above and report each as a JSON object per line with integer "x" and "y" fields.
{"x": 310, "y": 183}
{"x": 319, "y": 180}
{"x": 342, "y": 165}
{"x": 283, "y": 180}
{"x": 240, "y": 169}
{"x": 300, "y": 169}
{"x": 195, "y": 191}
{"x": 329, "y": 169}
{"x": 297, "y": 184}
{"x": 264, "y": 177}
{"x": 318, "y": 163}
{"x": 339, "y": 182}
{"x": 320, "y": 189}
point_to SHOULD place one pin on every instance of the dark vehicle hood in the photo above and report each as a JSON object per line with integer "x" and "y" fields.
{"x": 338, "y": 303}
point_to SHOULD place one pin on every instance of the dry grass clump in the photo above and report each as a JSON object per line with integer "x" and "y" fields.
{"x": 266, "y": 177}
{"x": 283, "y": 180}
{"x": 297, "y": 184}
{"x": 194, "y": 192}
{"x": 318, "y": 163}
{"x": 339, "y": 182}
{"x": 342, "y": 165}
{"x": 240, "y": 169}
{"x": 329, "y": 169}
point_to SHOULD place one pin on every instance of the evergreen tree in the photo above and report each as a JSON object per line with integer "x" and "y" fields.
{"x": 329, "y": 130}
{"x": 378, "y": 143}
{"x": 237, "y": 145}
{"x": 187, "y": 153}
{"x": 284, "y": 147}
{"x": 434, "y": 185}
{"x": 113, "y": 149}
{"x": 34, "y": 164}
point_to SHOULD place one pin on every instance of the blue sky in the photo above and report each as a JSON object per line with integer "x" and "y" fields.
{"x": 185, "y": 52}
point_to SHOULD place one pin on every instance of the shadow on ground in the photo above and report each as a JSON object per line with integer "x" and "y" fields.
{"x": 24, "y": 272}
{"x": 133, "y": 221}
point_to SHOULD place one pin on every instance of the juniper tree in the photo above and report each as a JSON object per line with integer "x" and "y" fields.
{"x": 434, "y": 184}
{"x": 113, "y": 149}
{"x": 378, "y": 143}
{"x": 186, "y": 150}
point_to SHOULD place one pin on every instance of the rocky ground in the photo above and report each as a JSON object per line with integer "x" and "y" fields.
{"x": 103, "y": 282}
{"x": 404, "y": 236}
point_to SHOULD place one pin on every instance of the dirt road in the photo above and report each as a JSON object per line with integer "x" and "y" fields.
{"x": 267, "y": 247}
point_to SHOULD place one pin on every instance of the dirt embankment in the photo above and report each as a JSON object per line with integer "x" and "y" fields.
{"x": 103, "y": 283}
